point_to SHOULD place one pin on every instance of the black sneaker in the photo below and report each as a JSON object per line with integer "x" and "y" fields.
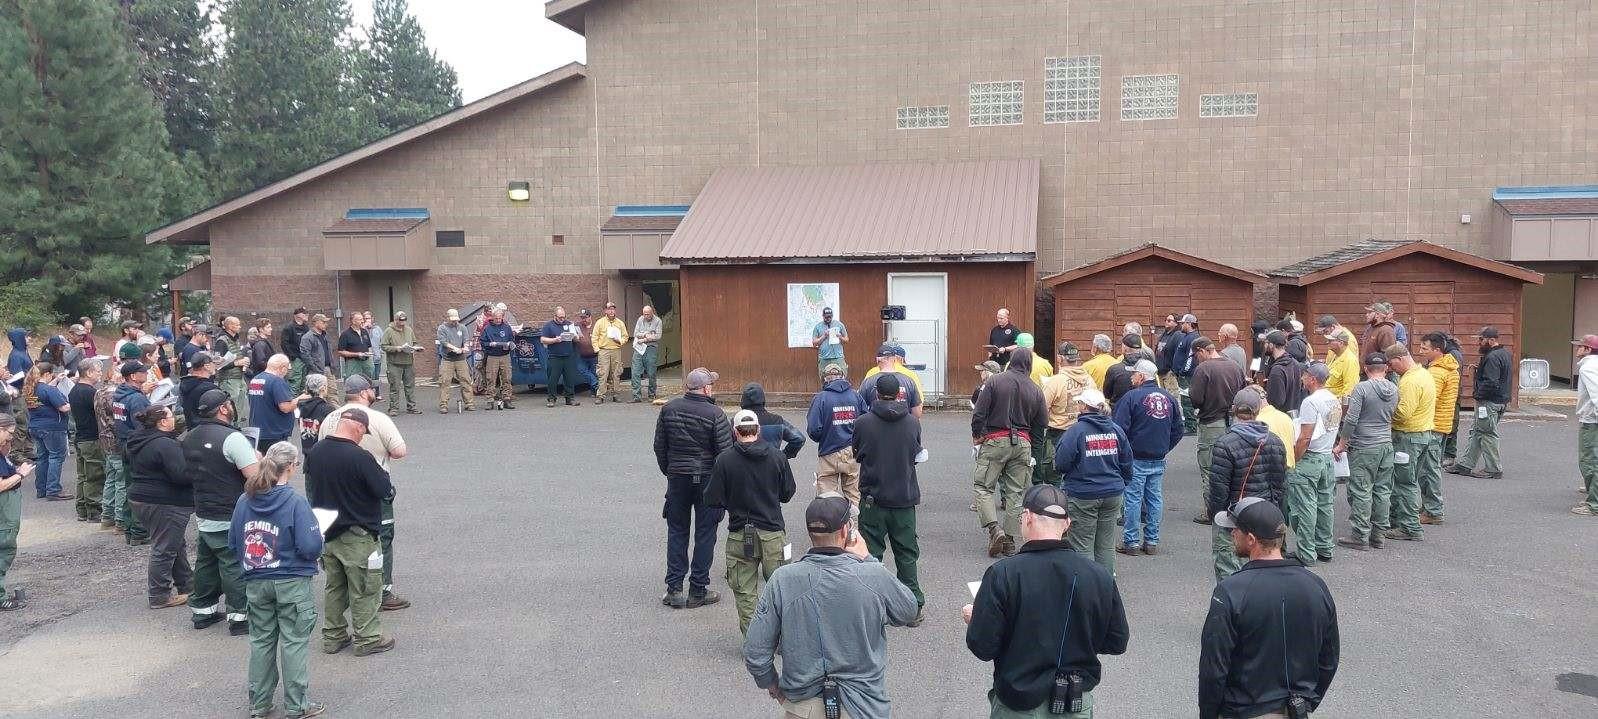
{"x": 699, "y": 600}
{"x": 674, "y": 598}
{"x": 238, "y": 629}
{"x": 571, "y": 402}
{"x": 1323, "y": 558}
{"x": 204, "y": 622}
{"x": 1376, "y": 539}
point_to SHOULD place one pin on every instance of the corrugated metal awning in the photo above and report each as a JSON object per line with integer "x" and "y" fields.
{"x": 985, "y": 210}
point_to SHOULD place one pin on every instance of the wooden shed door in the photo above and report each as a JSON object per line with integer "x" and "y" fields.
{"x": 1422, "y": 306}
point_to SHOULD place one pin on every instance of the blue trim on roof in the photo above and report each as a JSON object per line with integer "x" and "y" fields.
{"x": 651, "y": 210}
{"x": 1554, "y": 192}
{"x": 387, "y": 213}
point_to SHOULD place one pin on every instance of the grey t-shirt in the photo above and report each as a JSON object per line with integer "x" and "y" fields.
{"x": 1322, "y": 411}
{"x": 1235, "y": 354}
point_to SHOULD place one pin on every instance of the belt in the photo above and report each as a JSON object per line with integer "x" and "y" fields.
{"x": 1006, "y": 434}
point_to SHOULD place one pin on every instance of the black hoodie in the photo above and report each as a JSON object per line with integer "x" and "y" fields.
{"x": 773, "y": 428}
{"x": 886, "y": 442}
{"x": 189, "y": 390}
{"x": 751, "y": 480}
{"x": 1010, "y": 402}
{"x": 157, "y": 473}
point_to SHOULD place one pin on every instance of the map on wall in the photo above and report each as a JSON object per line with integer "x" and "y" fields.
{"x": 805, "y": 302}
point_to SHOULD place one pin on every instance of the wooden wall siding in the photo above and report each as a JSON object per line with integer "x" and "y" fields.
{"x": 1428, "y": 294}
{"x": 734, "y": 318}
{"x": 1145, "y": 291}
{"x": 1292, "y": 300}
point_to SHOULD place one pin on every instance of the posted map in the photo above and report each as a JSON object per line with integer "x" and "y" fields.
{"x": 805, "y": 302}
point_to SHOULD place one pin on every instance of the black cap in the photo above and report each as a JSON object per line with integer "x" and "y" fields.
{"x": 1277, "y": 337}
{"x": 1131, "y": 340}
{"x": 132, "y": 368}
{"x": 827, "y": 513}
{"x": 1046, "y": 500}
{"x": 300, "y": 311}
{"x": 1375, "y": 358}
{"x": 210, "y": 401}
{"x": 1254, "y": 515}
{"x": 886, "y": 350}
{"x": 888, "y": 385}
{"x": 201, "y": 359}
{"x": 1488, "y": 332}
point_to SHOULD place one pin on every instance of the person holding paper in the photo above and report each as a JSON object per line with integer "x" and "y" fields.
{"x": 646, "y": 351}
{"x": 751, "y": 481}
{"x": 1342, "y": 362}
{"x": 828, "y": 337}
{"x": 86, "y": 443}
{"x": 1429, "y": 470}
{"x": 272, "y": 403}
{"x": 886, "y": 443}
{"x": 235, "y": 361}
{"x": 1367, "y": 438}
{"x": 609, "y": 337}
{"x": 1587, "y": 421}
{"x": 1311, "y": 485}
{"x": 278, "y": 541}
{"x": 453, "y": 341}
{"x": 498, "y": 340}
{"x": 384, "y": 442}
{"x": 341, "y": 476}
{"x": 399, "y": 350}
{"x": 220, "y": 459}
{"x": 1413, "y": 423}
{"x": 587, "y": 355}
{"x": 560, "y": 347}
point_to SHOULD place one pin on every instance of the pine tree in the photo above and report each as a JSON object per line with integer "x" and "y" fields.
{"x": 84, "y": 165}
{"x": 405, "y": 80}
{"x": 178, "y": 64}
{"x": 287, "y": 94}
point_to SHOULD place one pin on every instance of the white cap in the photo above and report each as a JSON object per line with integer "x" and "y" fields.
{"x": 1146, "y": 367}
{"x": 1091, "y": 397}
{"x": 745, "y": 418}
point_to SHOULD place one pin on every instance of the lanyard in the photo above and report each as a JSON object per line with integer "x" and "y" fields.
{"x": 1069, "y": 600}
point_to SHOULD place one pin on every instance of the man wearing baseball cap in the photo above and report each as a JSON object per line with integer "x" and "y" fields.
{"x": 1060, "y": 391}
{"x": 825, "y": 615}
{"x": 1270, "y": 644}
{"x": 127, "y": 401}
{"x": 890, "y": 358}
{"x": 751, "y": 481}
{"x": 384, "y": 442}
{"x": 453, "y": 341}
{"x": 1215, "y": 382}
{"x": 1148, "y": 416}
{"x": 1312, "y": 485}
{"x": 1093, "y": 460}
{"x": 299, "y": 324}
{"x": 1342, "y": 363}
{"x": 830, "y": 424}
{"x": 690, "y": 432}
{"x": 1248, "y": 461}
{"x": 985, "y": 370}
{"x": 1587, "y": 420}
{"x": 1043, "y": 616}
{"x": 1380, "y": 332}
{"x": 1367, "y": 438}
{"x": 341, "y": 475}
{"x": 399, "y": 353}
{"x": 828, "y": 337}
{"x": 1490, "y": 388}
{"x": 1413, "y": 422}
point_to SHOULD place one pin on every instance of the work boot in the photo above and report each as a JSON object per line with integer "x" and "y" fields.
{"x": 1396, "y": 533}
{"x": 1202, "y": 518}
{"x": 238, "y": 629}
{"x": 1429, "y": 519}
{"x": 335, "y": 647}
{"x": 1478, "y": 474}
{"x": 699, "y": 600}
{"x": 310, "y": 710}
{"x": 674, "y": 598}
{"x": 570, "y": 402}
{"x": 413, "y": 410}
{"x": 1009, "y": 546}
{"x": 1324, "y": 558}
{"x": 176, "y": 600}
{"x": 467, "y": 408}
{"x": 599, "y": 400}
{"x": 1458, "y": 469}
{"x": 205, "y": 621}
{"x": 393, "y": 602}
{"x": 996, "y": 540}
{"x": 1354, "y": 543}
{"x": 1151, "y": 549}
{"x": 108, "y": 524}
{"x": 383, "y": 644}
{"x": 921, "y": 616}
{"x": 443, "y": 410}
{"x": 1376, "y": 539}
{"x": 1130, "y": 550}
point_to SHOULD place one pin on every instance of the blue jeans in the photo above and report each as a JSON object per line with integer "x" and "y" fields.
{"x": 588, "y": 367}
{"x": 1143, "y": 496}
{"x": 685, "y": 505}
{"x": 51, "y": 446}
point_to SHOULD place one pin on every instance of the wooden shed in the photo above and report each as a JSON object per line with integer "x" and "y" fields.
{"x": 1431, "y": 287}
{"x": 764, "y": 249}
{"x": 1144, "y": 284}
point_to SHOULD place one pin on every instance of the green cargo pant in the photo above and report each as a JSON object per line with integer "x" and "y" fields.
{"x": 296, "y": 378}
{"x": 1483, "y": 442}
{"x": 1208, "y": 434}
{"x": 1002, "y": 467}
{"x": 91, "y": 478}
{"x": 354, "y": 585}
{"x": 1587, "y": 460}
{"x": 1405, "y": 511}
{"x": 238, "y": 388}
{"x": 1093, "y": 531}
{"x": 21, "y": 439}
{"x": 114, "y": 499}
{"x": 401, "y": 379}
{"x": 1043, "y": 452}
{"x": 1311, "y": 487}
{"x": 895, "y": 527}
{"x": 1226, "y": 561}
{"x": 10, "y": 523}
{"x": 744, "y": 575}
{"x": 1370, "y": 490}
{"x": 1429, "y": 475}
{"x": 997, "y": 709}
{"x": 1189, "y": 414}
{"x": 217, "y": 574}
{"x": 385, "y": 537}
{"x": 282, "y": 617}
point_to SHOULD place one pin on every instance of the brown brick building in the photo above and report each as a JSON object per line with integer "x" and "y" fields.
{"x": 1248, "y": 134}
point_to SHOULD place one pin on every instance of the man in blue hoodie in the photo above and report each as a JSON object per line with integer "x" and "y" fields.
{"x": 774, "y": 430}
{"x": 126, "y": 402}
{"x": 1182, "y": 363}
{"x": 830, "y": 425}
{"x": 1147, "y": 415}
{"x": 1094, "y": 460}
{"x": 17, "y": 365}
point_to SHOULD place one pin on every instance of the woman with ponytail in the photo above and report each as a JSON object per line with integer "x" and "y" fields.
{"x": 47, "y": 422}
{"x": 11, "y": 477}
{"x": 161, "y": 496}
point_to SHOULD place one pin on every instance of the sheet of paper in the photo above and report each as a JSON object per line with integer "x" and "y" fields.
{"x": 324, "y": 518}
{"x": 787, "y": 552}
{"x": 614, "y": 333}
{"x": 164, "y": 393}
{"x": 1400, "y": 458}
{"x": 1481, "y": 412}
{"x": 639, "y": 345}
{"x": 922, "y": 456}
{"x": 254, "y": 433}
{"x": 1340, "y": 465}
{"x": 375, "y": 559}
{"x": 973, "y": 586}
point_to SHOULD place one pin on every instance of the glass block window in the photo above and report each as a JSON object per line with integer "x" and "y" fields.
{"x": 1236, "y": 104}
{"x": 996, "y": 103}
{"x": 1071, "y": 88}
{"x": 1149, "y": 97}
{"x": 922, "y": 118}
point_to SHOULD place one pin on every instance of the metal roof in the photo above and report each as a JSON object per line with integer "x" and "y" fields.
{"x": 1356, "y": 251}
{"x": 1145, "y": 251}
{"x": 985, "y": 210}
{"x": 1371, "y": 252}
{"x": 1551, "y": 206}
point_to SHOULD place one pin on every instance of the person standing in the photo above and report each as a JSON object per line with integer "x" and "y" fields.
{"x": 1282, "y": 386}
{"x": 1009, "y": 413}
{"x": 1380, "y": 332}
{"x": 587, "y": 355}
{"x": 1248, "y": 461}
{"x": 261, "y": 348}
{"x": 1311, "y": 485}
{"x": 1490, "y": 389}
{"x": 1026, "y": 601}
{"x": 1367, "y": 437}
{"x": 647, "y": 332}
{"x": 774, "y": 430}
{"x": 230, "y": 372}
{"x": 830, "y": 424}
{"x": 1060, "y": 392}
{"x": 1001, "y": 339}
{"x": 890, "y": 360}
{"x": 384, "y": 442}
{"x": 1183, "y": 361}
{"x": 316, "y": 351}
{"x": 90, "y": 460}
{"x": 341, "y": 476}
{"x": 130, "y": 398}
{"x": 886, "y": 442}
{"x": 1094, "y": 463}
{"x": 1101, "y": 361}
{"x": 1327, "y": 325}
{"x": 1413, "y": 422}
{"x": 278, "y": 542}
{"x": 1587, "y": 423}
{"x": 1118, "y": 378}
{"x": 750, "y": 482}
{"x": 1429, "y": 469}
{"x": 828, "y": 337}
{"x": 11, "y": 477}
{"x": 374, "y": 337}
{"x": 355, "y": 349}
{"x": 105, "y": 422}
{"x": 1230, "y": 348}
{"x": 292, "y": 334}
{"x": 1215, "y": 382}
{"x": 200, "y": 377}
{"x": 609, "y": 338}
{"x": 220, "y": 459}
{"x": 1279, "y": 422}
{"x": 399, "y": 351}
{"x": 825, "y": 614}
{"x": 1270, "y": 643}
{"x": 559, "y": 336}
{"x": 1341, "y": 363}
{"x": 1040, "y": 367}
{"x": 1147, "y": 415}
{"x": 88, "y": 346}
{"x": 452, "y": 340}
{"x": 272, "y": 403}
{"x": 498, "y": 340}
{"x": 313, "y": 408}
{"x": 161, "y": 494}
{"x": 47, "y": 422}
{"x": 690, "y": 433}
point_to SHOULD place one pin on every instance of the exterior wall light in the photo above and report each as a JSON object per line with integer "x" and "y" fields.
{"x": 520, "y": 191}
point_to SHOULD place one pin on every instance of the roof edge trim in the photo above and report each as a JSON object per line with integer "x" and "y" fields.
{"x": 1448, "y": 253}
{"x": 1146, "y": 251}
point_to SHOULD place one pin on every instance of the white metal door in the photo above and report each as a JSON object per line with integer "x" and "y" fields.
{"x": 923, "y": 333}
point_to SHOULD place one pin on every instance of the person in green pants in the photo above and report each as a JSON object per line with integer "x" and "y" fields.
{"x": 1587, "y": 419}
{"x": 751, "y": 480}
{"x": 1008, "y": 415}
{"x": 90, "y": 458}
{"x": 1413, "y": 422}
{"x": 342, "y": 476}
{"x": 887, "y": 442}
{"x": 1367, "y": 437}
{"x": 220, "y": 459}
{"x": 399, "y": 351}
{"x": 1311, "y": 485}
{"x": 11, "y": 477}
{"x": 278, "y": 542}
{"x": 230, "y": 376}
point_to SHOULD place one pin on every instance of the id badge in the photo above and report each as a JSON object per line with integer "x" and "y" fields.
{"x": 1481, "y": 412}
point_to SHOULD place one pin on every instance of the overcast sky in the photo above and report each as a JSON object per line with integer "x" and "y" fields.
{"x": 492, "y": 44}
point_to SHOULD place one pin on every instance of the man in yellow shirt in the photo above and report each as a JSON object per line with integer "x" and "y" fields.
{"x": 1040, "y": 367}
{"x": 1280, "y": 425}
{"x": 1344, "y": 365}
{"x": 1101, "y": 361}
{"x": 1429, "y": 472}
{"x": 609, "y": 337}
{"x": 1414, "y": 423}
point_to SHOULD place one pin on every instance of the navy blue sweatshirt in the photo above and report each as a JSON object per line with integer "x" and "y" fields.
{"x": 498, "y": 339}
{"x": 1093, "y": 458}
{"x": 1151, "y": 419}
{"x": 832, "y": 416}
{"x": 274, "y": 535}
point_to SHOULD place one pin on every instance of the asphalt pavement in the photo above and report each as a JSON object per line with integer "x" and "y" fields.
{"x": 531, "y": 545}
